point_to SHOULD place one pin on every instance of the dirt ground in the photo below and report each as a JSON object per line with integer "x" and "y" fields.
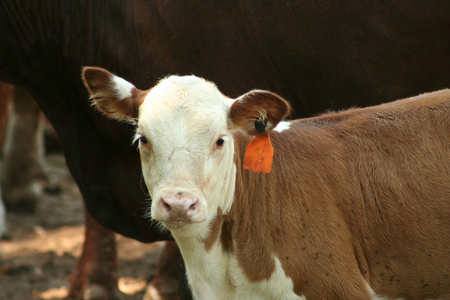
{"x": 44, "y": 246}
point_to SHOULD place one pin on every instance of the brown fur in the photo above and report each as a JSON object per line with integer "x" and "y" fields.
{"x": 357, "y": 196}
{"x": 214, "y": 230}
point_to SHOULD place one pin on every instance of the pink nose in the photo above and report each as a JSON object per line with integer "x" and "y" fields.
{"x": 179, "y": 208}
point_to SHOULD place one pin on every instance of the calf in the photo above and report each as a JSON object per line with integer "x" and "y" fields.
{"x": 355, "y": 204}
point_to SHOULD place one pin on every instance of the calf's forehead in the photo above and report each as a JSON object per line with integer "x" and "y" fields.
{"x": 185, "y": 104}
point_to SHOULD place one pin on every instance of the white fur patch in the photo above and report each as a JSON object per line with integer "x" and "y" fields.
{"x": 376, "y": 297}
{"x": 282, "y": 126}
{"x": 279, "y": 286}
{"x": 123, "y": 87}
{"x": 215, "y": 275}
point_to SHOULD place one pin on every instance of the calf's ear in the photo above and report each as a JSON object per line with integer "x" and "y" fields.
{"x": 112, "y": 95}
{"x": 258, "y": 112}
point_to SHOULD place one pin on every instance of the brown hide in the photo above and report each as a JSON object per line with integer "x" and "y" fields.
{"x": 357, "y": 196}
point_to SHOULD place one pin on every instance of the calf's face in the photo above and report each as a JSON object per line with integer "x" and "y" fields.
{"x": 186, "y": 150}
{"x": 185, "y": 134}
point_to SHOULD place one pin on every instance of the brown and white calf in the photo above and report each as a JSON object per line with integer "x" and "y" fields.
{"x": 356, "y": 206}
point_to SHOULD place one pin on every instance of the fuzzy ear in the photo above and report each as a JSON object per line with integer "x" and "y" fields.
{"x": 112, "y": 95}
{"x": 258, "y": 112}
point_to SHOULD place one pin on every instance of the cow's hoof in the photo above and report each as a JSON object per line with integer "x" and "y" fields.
{"x": 22, "y": 200}
{"x": 98, "y": 292}
{"x": 5, "y": 236}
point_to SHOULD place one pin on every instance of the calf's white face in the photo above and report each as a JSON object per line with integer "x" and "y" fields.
{"x": 186, "y": 150}
{"x": 185, "y": 129}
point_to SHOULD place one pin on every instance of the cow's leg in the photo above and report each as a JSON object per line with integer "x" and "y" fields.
{"x": 6, "y": 96}
{"x": 22, "y": 153}
{"x": 164, "y": 285}
{"x": 95, "y": 276}
{"x": 3, "y": 226}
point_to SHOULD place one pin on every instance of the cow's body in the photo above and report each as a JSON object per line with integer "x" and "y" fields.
{"x": 356, "y": 204}
{"x": 320, "y": 55}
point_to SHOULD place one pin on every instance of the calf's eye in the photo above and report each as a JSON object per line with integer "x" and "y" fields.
{"x": 220, "y": 142}
{"x": 143, "y": 140}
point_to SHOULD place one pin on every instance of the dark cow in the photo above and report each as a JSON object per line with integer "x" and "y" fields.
{"x": 319, "y": 54}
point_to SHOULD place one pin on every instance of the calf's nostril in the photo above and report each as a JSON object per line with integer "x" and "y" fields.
{"x": 193, "y": 206}
{"x": 165, "y": 205}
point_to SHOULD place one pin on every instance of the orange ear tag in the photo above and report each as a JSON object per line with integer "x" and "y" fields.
{"x": 259, "y": 155}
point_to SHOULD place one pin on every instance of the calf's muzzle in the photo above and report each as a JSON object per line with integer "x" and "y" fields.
{"x": 178, "y": 208}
